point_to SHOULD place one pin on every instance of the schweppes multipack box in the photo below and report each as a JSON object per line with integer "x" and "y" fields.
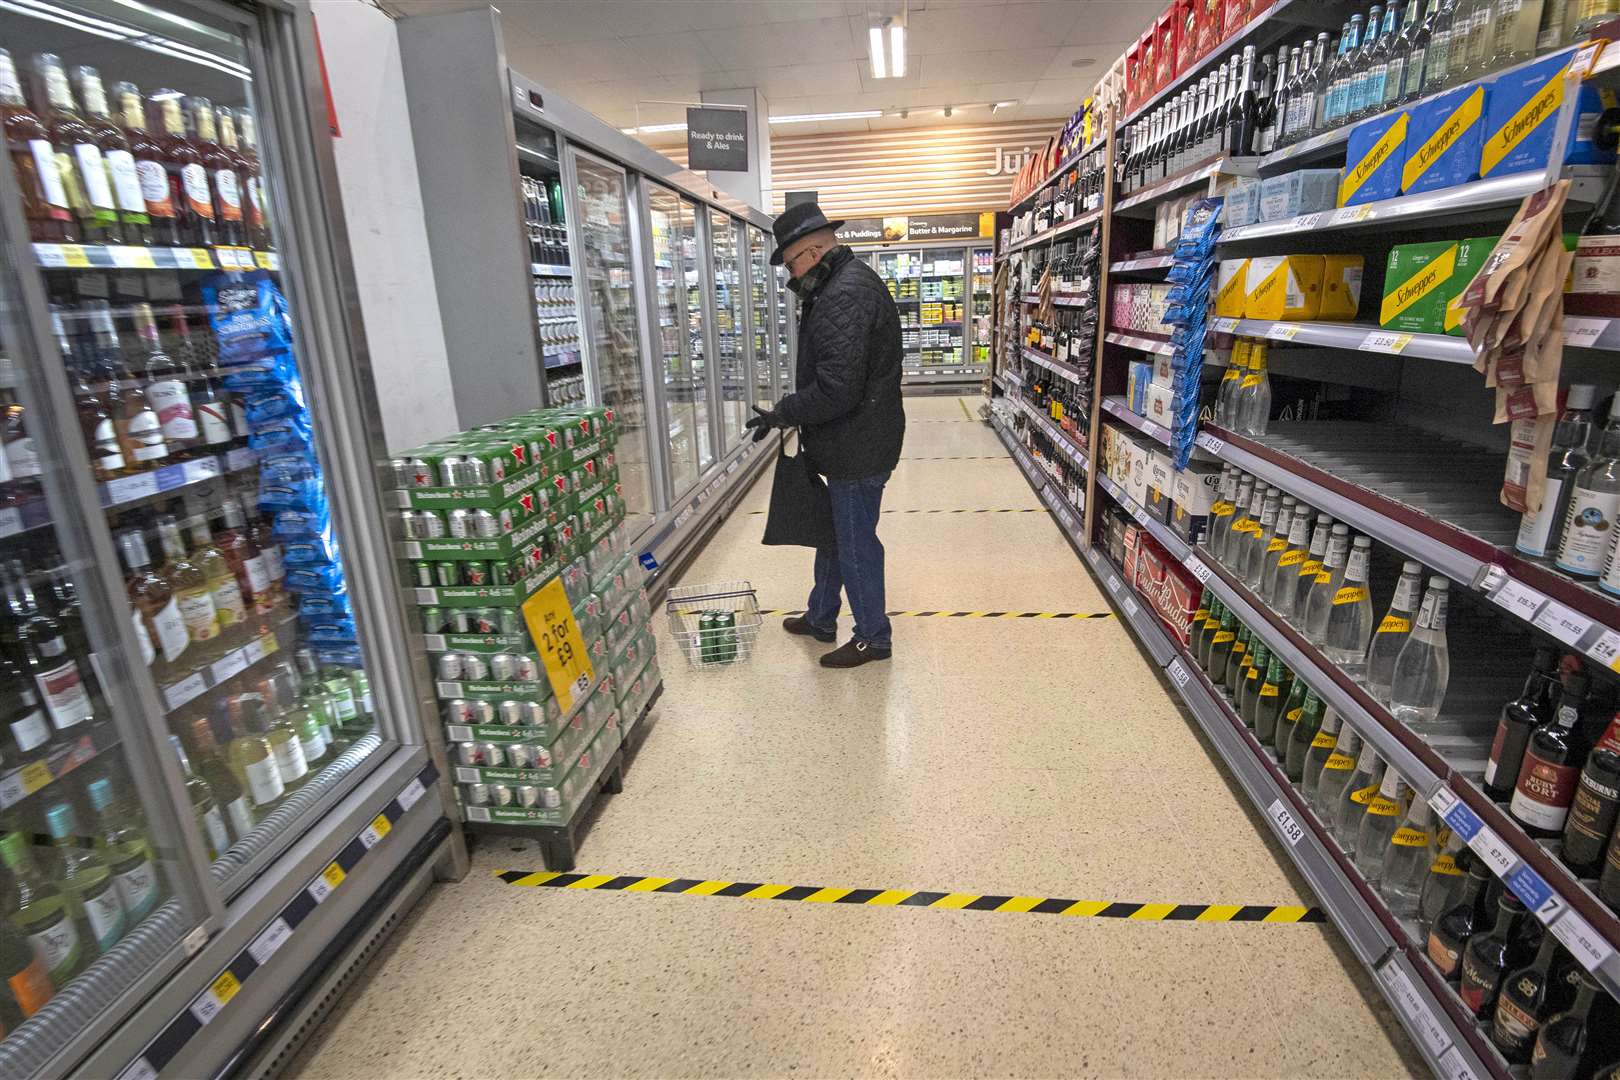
{"x": 1444, "y": 141}
{"x": 1423, "y": 281}
{"x": 1522, "y": 114}
{"x": 1373, "y": 159}
{"x": 1229, "y": 287}
{"x": 1302, "y": 287}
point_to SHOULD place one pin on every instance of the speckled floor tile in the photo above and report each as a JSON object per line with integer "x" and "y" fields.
{"x": 1020, "y": 757}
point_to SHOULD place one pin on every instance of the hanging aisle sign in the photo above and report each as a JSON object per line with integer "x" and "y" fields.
{"x": 717, "y": 140}
{"x": 916, "y": 227}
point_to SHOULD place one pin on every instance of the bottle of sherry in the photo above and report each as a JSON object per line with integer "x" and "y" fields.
{"x": 1489, "y": 957}
{"x": 1449, "y": 935}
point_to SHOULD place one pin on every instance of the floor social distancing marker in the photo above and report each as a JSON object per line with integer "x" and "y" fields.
{"x": 969, "y": 614}
{"x": 958, "y": 510}
{"x": 947, "y": 901}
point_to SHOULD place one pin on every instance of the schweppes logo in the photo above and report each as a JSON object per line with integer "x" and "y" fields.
{"x": 1231, "y": 290}
{"x": 1501, "y": 142}
{"x": 1259, "y": 298}
{"x": 1419, "y": 285}
{"x": 1374, "y": 159}
{"x": 1455, "y": 126}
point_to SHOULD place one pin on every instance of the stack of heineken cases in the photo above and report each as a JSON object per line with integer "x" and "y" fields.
{"x": 492, "y": 515}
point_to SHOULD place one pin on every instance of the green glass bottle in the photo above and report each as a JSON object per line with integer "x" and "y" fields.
{"x": 203, "y": 805}
{"x": 1254, "y": 677}
{"x": 1303, "y": 736}
{"x": 121, "y": 840}
{"x": 84, "y": 876}
{"x": 365, "y": 709}
{"x": 1238, "y": 664}
{"x": 1196, "y": 625}
{"x": 1288, "y": 716}
{"x": 1220, "y": 647}
{"x": 345, "y": 709}
{"x": 1322, "y": 748}
{"x": 1207, "y": 630}
{"x": 42, "y": 912}
{"x": 1269, "y": 701}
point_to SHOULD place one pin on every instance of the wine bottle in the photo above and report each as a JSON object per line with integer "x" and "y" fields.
{"x": 1488, "y": 957}
{"x": 1451, "y": 931}
{"x": 1534, "y": 706}
{"x": 1552, "y": 765}
{"x": 210, "y": 822}
{"x": 1597, "y": 798}
{"x": 82, "y": 873}
{"x": 42, "y": 912}
{"x": 1526, "y": 1000}
{"x": 122, "y": 843}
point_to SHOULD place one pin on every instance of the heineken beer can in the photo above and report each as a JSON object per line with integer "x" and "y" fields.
{"x": 434, "y": 621}
{"x": 525, "y": 669}
{"x": 528, "y": 795}
{"x": 502, "y": 667}
{"x": 477, "y": 794}
{"x": 460, "y": 523}
{"x": 445, "y": 576}
{"x": 483, "y": 712}
{"x": 500, "y": 794}
{"x": 474, "y": 668}
{"x": 449, "y": 667}
{"x": 450, "y": 470}
{"x": 475, "y": 573}
{"x": 517, "y": 756}
{"x": 422, "y": 575}
{"x": 458, "y": 711}
{"x": 485, "y": 524}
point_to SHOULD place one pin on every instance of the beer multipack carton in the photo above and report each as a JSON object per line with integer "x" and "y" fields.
{"x": 536, "y": 804}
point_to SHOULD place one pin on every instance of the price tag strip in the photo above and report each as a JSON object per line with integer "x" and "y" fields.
{"x": 1568, "y": 626}
{"x": 281, "y": 928}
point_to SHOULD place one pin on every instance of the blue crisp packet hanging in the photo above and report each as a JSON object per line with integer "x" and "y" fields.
{"x": 298, "y": 524}
{"x": 249, "y": 317}
{"x": 319, "y": 550}
{"x": 332, "y": 631}
{"x": 338, "y": 655}
{"x": 326, "y": 604}
{"x": 313, "y": 579}
{"x": 270, "y": 404}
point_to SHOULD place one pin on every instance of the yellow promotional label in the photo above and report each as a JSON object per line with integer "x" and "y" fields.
{"x": 74, "y": 255}
{"x": 1323, "y": 577}
{"x": 1374, "y": 159}
{"x": 1230, "y": 296}
{"x": 1223, "y": 636}
{"x": 1541, "y": 106}
{"x": 1383, "y": 807}
{"x": 1455, "y": 126}
{"x": 1350, "y": 594}
{"x": 225, "y": 987}
{"x": 1268, "y": 690}
{"x": 381, "y": 825}
{"x": 1406, "y": 836}
{"x": 1394, "y": 624}
{"x": 1276, "y": 543}
{"x": 1426, "y": 280}
{"x": 35, "y": 776}
{"x": 1338, "y": 761}
{"x": 550, "y": 619}
{"x": 1310, "y": 567}
{"x": 1445, "y": 864}
{"x": 1293, "y": 715}
{"x": 333, "y": 875}
{"x": 1366, "y": 795}
{"x": 1291, "y": 558}
{"x": 1324, "y": 741}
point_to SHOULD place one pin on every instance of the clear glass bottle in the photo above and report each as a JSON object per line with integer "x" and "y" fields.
{"x": 1309, "y": 568}
{"x": 1336, "y": 768}
{"x": 1393, "y": 630}
{"x": 1254, "y": 559}
{"x": 236, "y": 805}
{"x": 1280, "y": 589}
{"x": 1407, "y": 857}
{"x": 1594, "y": 506}
{"x": 1323, "y": 745}
{"x": 1541, "y": 533}
{"x": 229, "y": 606}
{"x": 1400, "y": 53}
{"x": 1417, "y": 51}
{"x": 1226, "y": 398}
{"x": 83, "y": 875}
{"x": 1336, "y": 107}
{"x": 1362, "y": 788}
{"x": 1370, "y": 88}
{"x": 1437, "y": 63}
{"x": 210, "y": 821}
{"x": 1444, "y": 881}
{"x": 251, "y": 757}
{"x": 1276, "y": 545}
{"x": 1254, "y": 400}
{"x": 1319, "y": 605}
{"x": 1236, "y": 547}
{"x": 1350, "y": 616}
{"x": 1418, "y": 685}
{"x": 1514, "y": 30}
{"x": 1379, "y": 822}
{"x": 121, "y": 840}
{"x": 1470, "y": 41}
{"x": 191, "y": 591}
{"x": 1220, "y": 513}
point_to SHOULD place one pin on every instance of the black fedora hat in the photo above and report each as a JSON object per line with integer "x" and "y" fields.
{"x": 799, "y": 220}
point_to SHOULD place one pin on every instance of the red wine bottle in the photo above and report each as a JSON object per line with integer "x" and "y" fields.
{"x": 1519, "y": 719}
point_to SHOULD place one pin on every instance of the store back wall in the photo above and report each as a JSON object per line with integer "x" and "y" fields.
{"x": 902, "y": 171}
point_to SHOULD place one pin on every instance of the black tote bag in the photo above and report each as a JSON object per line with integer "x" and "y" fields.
{"x": 801, "y": 510}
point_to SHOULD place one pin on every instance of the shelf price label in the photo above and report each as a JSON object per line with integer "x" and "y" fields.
{"x": 1606, "y": 649}
{"x": 1382, "y": 341}
{"x": 1131, "y": 605}
{"x": 1414, "y": 1008}
{"x": 1582, "y": 941}
{"x": 1583, "y": 332}
{"x": 1155, "y": 431}
{"x": 1490, "y": 847}
{"x": 216, "y": 997}
{"x": 325, "y": 882}
{"x": 412, "y": 793}
{"x": 1197, "y": 567}
{"x": 1351, "y": 215}
{"x": 1307, "y": 222}
{"x": 1282, "y": 331}
{"x": 372, "y": 834}
{"x": 550, "y": 619}
{"x": 1562, "y": 623}
{"x": 1453, "y": 1066}
{"x": 1178, "y": 672}
{"x": 1291, "y": 830}
{"x": 1210, "y": 443}
{"x": 1224, "y": 326}
{"x": 269, "y": 940}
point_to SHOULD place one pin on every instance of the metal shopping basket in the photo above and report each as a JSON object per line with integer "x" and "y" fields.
{"x": 715, "y": 625}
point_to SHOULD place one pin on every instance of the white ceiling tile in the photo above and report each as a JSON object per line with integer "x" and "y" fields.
{"x": 666, "y": 54}
{"x": 564, "y": 65}
{"x": 718, "y": 14}
{"x": 1064, "y": 92}
{"x": 1113, "y": 20}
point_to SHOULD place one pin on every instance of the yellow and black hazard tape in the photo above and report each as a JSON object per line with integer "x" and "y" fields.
{"x": 960, "y": 457}
{"x": 951, "y": 901}
{"x": 958, "y": 510}
{"x": 969, "y": 614}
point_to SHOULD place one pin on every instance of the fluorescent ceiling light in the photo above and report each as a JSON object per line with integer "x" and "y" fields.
{"x": 875, "y": 47}
{"x": 649, "y": 129}
{"x": 998, "y": 106}
{"x": 806, "y": 118}
{"x": 897, "y": 50}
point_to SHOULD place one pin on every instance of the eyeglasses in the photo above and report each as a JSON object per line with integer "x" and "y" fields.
{"x": 807, "y": 252}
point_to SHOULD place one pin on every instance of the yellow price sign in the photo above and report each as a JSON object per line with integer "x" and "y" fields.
{"x": 333, "y": 875}
{"x": 75, "y": 255}
{"x": 225, "y": 987}
{"x": 551, "y": 624}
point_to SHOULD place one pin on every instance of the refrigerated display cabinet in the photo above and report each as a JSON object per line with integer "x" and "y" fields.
{"x": 213, "y": 772}
{"x": 676, "y": 299}
{"x": 930, "y": 288}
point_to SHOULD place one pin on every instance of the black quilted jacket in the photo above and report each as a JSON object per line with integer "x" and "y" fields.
{"x": 847, "y": 399}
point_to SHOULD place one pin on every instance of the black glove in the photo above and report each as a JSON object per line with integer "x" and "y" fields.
{"x": 762, "y": 422}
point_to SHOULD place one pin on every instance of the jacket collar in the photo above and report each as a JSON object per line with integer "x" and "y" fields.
{"x": 816, "y": 278}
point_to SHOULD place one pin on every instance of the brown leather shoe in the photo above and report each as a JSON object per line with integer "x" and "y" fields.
{"x": 854, "y": 653}
{"x": 798, "y": 624}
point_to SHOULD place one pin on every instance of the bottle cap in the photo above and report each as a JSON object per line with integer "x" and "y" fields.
{"x": 1360, "y": 541}
{"x": 1341, "y": 529}
{"x": 101, "y": 793}
{"x": 1411, "y": 567}
{"x": 59, "y": 821}
{"x": 1580, "y": 396}
{"x": 1439, "y": 584}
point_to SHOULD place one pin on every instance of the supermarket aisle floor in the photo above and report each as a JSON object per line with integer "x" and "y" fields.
{"x": 1016, "y": 757}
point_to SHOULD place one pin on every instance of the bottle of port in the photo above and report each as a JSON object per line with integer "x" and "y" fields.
{"x": 1520, "y": 718}
{"x": 1552, "y": 765}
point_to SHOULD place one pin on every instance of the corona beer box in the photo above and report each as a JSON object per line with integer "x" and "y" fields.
{"x": 1522, "y": 114}
{"x": 1229, "y": 288}
{"x": 1373, "y": 160}
{"x": 1283, "y": 287}
{"x": 1444, "y": 143}
{"x": 1341, "y": 286}
{"x": 1422, "y": 280}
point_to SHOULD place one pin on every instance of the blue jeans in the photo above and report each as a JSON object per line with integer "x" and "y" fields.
{"x": 855, "y": 565}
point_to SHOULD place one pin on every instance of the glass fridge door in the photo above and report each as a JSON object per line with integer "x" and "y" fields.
{"x": 983, "y": 302}
{"x": 940, "y": 311}
{"x": 759, "y": 295}
{"x": 691, "y": 270}
{"x": 602, "y": 216}
{"x": 901, "y": 271}
{"x": 663, "y": 214}
{"x": 728, "y": 328}
{"x": 786, "y": 311}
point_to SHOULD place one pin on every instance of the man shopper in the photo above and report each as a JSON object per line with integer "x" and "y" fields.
{"x": 846, "y": 406}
